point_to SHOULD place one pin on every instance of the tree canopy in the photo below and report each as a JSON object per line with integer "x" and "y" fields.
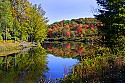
{"x": 19, "y": 20}
{"x": 74, "y": 29}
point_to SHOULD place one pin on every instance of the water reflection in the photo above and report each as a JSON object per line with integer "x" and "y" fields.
{"x": 25, "y": 67}
{"x": 34, "y": 65}
{"x": 59, "y": 67}
{"x": 65, "y": 49}
{"x": 97, "y": 63}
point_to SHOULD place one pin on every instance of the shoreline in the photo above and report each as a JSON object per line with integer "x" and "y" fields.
{"x": 9, "y": 47}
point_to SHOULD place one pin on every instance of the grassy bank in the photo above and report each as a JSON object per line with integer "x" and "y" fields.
{"x": 9, "y": 47}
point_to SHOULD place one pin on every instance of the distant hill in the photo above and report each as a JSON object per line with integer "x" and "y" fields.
{"x": 74, "y": 28}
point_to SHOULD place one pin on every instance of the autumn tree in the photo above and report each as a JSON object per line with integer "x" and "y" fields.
{"x": 20, "y": 20}
{"x": 19, "y": 9}
{"x": 36, "y": 25}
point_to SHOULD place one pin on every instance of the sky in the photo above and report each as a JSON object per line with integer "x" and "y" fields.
{"x": 57, "y": 10}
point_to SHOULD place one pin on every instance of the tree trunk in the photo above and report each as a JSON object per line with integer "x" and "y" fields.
{"x": 5, "y": 33}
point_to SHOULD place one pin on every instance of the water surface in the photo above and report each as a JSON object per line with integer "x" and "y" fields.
{"x": 90, "y": 62}
{"x": 59, "y": 67}
{"x": 34, "y": 65}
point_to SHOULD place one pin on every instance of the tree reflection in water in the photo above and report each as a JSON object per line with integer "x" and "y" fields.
{"x": 25, "y": 67}
{"x": 97, "y": 63}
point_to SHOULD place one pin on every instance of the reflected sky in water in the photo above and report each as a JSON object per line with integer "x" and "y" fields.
{"x": 59, "y": 66}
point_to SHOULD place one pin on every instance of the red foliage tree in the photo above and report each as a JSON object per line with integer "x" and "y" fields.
{"x": 68, "y": 45}
{"x": 80, "y": 49}
{"x": 79, "y": 30}
{"x": 50, "y": 32}
{"x": 68, "y": 34}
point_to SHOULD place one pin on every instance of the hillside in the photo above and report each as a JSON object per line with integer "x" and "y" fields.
{"x": 74, "y": 29}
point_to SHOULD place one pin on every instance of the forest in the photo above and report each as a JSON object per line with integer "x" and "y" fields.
{"x": 95, "y": 45}
{"x": 20, "y": 20}
{"x": 74, "y": 29}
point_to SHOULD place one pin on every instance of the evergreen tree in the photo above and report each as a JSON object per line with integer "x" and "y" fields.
{"x": 112, "y": 15}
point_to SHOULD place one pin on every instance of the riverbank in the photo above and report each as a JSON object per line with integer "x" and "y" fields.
{"x": 9, "y": 47}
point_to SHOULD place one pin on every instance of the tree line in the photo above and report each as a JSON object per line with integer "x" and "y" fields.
{"x": 20, "y": 20}
{"x": 74, "y": 28}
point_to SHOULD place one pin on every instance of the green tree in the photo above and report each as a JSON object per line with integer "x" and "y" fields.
{"x": 6, "y": 19}
{"x": 36, "y": 25}
{"x": 112, "y": 15}
{"x": 29, "y": 21}
{"x": 19, "y": 20}
{"x": 19, "y": 9}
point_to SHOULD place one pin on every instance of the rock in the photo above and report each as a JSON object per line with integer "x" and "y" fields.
{"x": 24, "y": 44}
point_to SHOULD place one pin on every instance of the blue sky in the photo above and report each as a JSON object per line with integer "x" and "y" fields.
{"x": 57, "y": 10}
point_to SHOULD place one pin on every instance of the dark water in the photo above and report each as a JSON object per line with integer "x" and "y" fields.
{"x": 78, "y": 62}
